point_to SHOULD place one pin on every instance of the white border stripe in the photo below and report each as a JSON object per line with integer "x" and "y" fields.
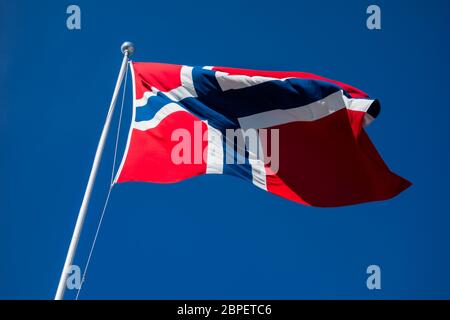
{"x": 233, "y": 82}
{"x": 187, "y": 81}
{"x": 357, "y": 104}
{"x": 311, "y": 112}
{"x": 159, "y": 116}
{"x": 258, "y": 173}
{"x": 214, "y": 160}
{"x": 186, "y": 90}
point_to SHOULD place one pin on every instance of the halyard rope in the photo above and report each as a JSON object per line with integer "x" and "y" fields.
{"x": 83, "y": 278}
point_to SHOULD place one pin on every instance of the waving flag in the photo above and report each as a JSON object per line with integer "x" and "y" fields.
{"x": 293, "y": 134}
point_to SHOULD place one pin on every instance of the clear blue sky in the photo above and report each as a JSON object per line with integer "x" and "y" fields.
{"x": 216, "y": 236}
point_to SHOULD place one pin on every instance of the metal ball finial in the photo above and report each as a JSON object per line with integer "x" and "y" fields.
{"x": 127, "y": 47}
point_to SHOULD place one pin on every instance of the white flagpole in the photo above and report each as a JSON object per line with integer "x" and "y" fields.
{"x": 127, "y": 49}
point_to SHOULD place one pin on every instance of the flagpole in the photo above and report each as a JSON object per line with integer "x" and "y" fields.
{"x": 127, "y": 49}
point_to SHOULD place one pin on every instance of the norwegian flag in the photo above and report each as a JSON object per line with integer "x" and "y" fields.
{"x": 322, "y": 154}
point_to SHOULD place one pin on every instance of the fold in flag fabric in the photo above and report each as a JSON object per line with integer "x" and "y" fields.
{"x": 294, "y": 134}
